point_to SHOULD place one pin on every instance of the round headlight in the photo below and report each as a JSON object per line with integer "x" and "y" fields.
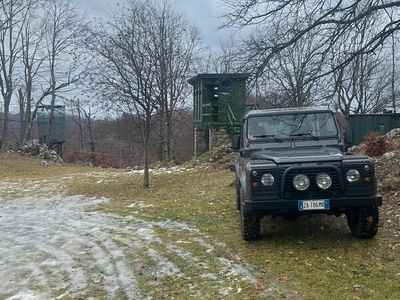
{"x": 352, "y": 175}
{"x": 324, "y": 181}
{"x": 301, "y": 182}
{"x": 267, "y": 179}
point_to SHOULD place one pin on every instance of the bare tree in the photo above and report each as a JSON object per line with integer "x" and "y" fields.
{"x": 362, "y": 86}
{"x": 83, "y": 115}
{"x": 14, "y": 13}
{"x": 49, "y": 48}
{"x": 391, "y": 15}
{"x": 126, "y": 69}
{"x": 334, "y": 19}
{"x": 63, "y": 29}
{"x": 31, "y": 38}
{"x": 288, "y": 79}
{"x": 224, "y": 59}
{"x": 176, "y": 44}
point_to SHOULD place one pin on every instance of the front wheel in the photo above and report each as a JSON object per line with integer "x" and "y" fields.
{"x": 363, "y": 222}
{"x": 238, "y": 199}
{"x": 249, "y": 223}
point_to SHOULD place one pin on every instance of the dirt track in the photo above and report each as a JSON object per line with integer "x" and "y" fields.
{"x": 53, "y": 245}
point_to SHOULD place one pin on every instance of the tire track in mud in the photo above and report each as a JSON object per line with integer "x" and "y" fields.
{"x": 51, "y": 246}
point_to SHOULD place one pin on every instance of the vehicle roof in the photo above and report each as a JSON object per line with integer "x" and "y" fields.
{"x": 281, "y": 111}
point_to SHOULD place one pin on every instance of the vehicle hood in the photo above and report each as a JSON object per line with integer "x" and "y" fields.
{"x": 298, "y": 155}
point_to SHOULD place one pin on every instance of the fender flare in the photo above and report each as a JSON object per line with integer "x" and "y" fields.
{"x": 241, "y": 181}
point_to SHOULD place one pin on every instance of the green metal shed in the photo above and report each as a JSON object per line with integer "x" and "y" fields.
{"x": 218, "y": 100}
{"x": 51, "y": 124}
{"x": 361, "y": 125}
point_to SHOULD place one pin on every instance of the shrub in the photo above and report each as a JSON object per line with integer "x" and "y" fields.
{"x": 375, "y": 144}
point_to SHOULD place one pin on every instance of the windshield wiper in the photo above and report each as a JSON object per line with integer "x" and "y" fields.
{"x": 305, "y": 134}
{"x": 264, "y": 136}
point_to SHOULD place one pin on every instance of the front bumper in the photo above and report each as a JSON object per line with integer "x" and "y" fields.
{"x": 292, "y": 205}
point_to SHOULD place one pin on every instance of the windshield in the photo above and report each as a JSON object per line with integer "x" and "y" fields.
{"x": 292, "y": 125}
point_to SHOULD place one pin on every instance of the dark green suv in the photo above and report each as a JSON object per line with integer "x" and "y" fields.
{"x": 293, "y": 162}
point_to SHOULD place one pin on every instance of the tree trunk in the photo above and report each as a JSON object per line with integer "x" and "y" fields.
{"x": 146, "y": 179}
{"x": 169, "y": 142}
{"x": 21, "y": 103}
{"x": 393, "y": 74}
{"x": 51, "y": 116}
{"x": 31, "y": 122}
{"x": 162, "y": 137}
{"x": 28, "y": 115}
{"x": 80, "y": 135}
{"x": 91, "y": 141}
{"x": 6, "y": 118}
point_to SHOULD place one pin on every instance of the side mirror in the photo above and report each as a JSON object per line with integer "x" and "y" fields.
{"x": 348, "y": 138}
{"x": 236, "y": 142}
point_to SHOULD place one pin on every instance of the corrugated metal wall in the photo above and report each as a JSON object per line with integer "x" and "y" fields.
{"x": 381, "y": 123}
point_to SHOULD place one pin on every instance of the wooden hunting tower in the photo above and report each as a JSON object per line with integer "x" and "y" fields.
{"x": 51, "y": 125}
{"x": 219, "y": 102}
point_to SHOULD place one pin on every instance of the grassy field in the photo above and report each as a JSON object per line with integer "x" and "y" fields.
{"x": 18, "y": 167}
{"x": 314, "y": 256}
{"x": 310, "y": 258}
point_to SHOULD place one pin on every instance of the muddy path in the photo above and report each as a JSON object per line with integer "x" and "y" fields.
{"x": 57, "y": 246}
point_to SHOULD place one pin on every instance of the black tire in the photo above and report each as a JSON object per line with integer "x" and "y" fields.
{"x": 238, "y": 199}
{"x": 249, "y": 224}
{"x": 363, "y": 222}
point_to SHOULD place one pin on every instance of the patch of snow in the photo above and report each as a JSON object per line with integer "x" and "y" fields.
{"x": 209, "y": 276}
{"x": 53, "y": 242}
{"x": 140, "y": 205}
{"x": 209, "y": 248}
{"x": 164, "y": 266}
{"x": 26, "y": 296}
{"x": 165, "y": 170}
{"x": 183, "y": 242}
{"x": 182, "y": 253}
{"x": 225, "y": 291}
{"x": 237, "y": 269}
{"x": 388, "y": 155}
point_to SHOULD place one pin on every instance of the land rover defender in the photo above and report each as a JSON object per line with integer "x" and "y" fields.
{"x": 294, "y": 162}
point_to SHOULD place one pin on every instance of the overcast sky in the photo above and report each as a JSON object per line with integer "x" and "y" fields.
{"x": 205, "y": 14}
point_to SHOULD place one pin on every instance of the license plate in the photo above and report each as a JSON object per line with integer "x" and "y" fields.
{"x": 313, "y": 204}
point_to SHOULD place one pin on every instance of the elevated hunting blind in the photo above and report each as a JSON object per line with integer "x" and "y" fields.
{"x": 219, "y": 102}
{"x": 51, "y": 126}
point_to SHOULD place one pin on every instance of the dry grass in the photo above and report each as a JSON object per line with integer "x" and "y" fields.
{"x": 17, "y": 166}
{"x": 313, "y": 256}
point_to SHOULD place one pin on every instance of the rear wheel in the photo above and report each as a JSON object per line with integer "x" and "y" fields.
{"x": 363, "y": 222}
{"x": 249, "y": 223}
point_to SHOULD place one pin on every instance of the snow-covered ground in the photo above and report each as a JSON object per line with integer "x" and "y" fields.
{"x": 55, "y": 246}
{"x": 163, "y": 170}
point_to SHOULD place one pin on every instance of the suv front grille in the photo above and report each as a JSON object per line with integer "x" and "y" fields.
{"x": 313, "y": 192}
